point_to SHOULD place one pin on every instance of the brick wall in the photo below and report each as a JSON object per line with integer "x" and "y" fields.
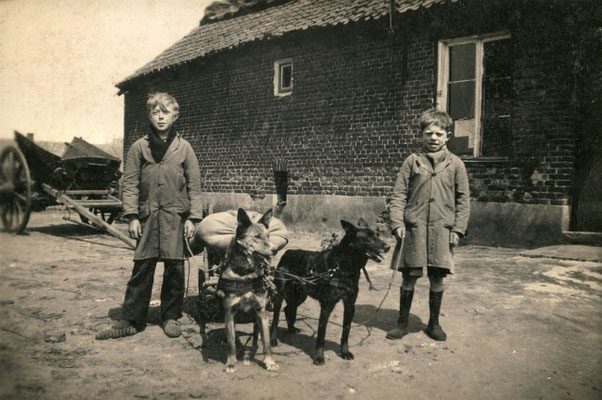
{"x": 353, "y": 114}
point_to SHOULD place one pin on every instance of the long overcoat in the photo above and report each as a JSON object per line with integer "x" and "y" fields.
{"x": 162, "y": 196}
{"x": 431, "y": 202}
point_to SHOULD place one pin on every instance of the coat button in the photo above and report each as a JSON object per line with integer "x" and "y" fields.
{"x": 431, "y": 200}
{"x": 434, "y": 174}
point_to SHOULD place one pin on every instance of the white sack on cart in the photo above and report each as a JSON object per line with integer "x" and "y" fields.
{"x": 216, "y": 231}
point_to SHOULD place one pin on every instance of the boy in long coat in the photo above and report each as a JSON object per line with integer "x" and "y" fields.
{"x": 429, "y": 211}
{"x": 162, "y": 200}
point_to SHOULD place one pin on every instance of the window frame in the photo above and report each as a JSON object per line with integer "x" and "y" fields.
{"x": 278, "y": 75}
{"x": 443, "y": 78}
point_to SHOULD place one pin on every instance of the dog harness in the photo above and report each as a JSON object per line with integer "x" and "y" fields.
{"x": 242, "y": 286}
{"x": 329, "y": 277}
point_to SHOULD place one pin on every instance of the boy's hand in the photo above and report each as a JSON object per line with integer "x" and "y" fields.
{"x": 399, "y": 233}
{"x": 189, "y": 229}
{"x": 135, "y": 229}
{"x": 454, "y": 238}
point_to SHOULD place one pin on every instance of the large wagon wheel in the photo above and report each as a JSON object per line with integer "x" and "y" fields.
{"x": 15, "y": 190}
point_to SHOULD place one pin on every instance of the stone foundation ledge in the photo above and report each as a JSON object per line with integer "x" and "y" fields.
{"x": 492, "y": 224}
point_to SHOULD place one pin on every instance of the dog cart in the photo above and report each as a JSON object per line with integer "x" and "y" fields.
{"x": 84, "y": 180}
{"x": 212, "y": 238}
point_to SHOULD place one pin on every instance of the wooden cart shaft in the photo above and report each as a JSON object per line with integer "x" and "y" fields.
{"x": 82, "y": 210}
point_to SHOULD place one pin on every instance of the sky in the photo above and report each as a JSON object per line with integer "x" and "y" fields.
{"x": 60, "y": 61}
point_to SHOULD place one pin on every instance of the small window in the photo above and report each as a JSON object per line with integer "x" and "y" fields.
{"x": 475, "y": 88}
{"x": 283, "y": 77}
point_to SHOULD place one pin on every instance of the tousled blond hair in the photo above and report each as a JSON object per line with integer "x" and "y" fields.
{"x": 163, "y": 100}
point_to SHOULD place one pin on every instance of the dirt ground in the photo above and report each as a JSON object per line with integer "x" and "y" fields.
{"x": 518, "y": 328}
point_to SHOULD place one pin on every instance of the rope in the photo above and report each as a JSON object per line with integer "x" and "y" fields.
{"x": 187, "y": 255}
{"x": 189, "y": 252}
{"x": 384, "y": 297}
{"x": 187, "y": 276}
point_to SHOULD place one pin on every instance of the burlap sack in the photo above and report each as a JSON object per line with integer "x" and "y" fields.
{"x": 216, "y": 231}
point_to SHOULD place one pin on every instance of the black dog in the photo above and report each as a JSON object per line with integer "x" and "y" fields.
{"x": 328, "y": 276}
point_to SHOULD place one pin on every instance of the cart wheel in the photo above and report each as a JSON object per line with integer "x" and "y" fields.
{"x": 15, "y": 190}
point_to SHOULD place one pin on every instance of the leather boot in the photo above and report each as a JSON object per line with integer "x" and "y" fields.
{"x": 405, "y": 302}
{"x": 434, "y": 330}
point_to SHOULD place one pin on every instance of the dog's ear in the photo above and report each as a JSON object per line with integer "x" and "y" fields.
{"x": 243, "y": 218}
{"x": 348, "y": 226}
{"x": 361, "y": 223}
{"x": 266, "y": 218}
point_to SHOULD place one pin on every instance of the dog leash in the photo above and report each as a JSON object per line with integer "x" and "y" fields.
{"x": 188, "y": 255}
{"x": 395, "y": 260}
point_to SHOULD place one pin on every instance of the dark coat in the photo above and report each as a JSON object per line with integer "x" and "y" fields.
{"x": 162, "y": 195}
{"x": 431, "y": 203}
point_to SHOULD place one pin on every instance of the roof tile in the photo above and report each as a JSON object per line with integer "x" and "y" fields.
{"x": 273, "y": 21}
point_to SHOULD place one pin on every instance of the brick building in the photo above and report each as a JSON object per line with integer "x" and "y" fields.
{"x": 335, "y": 88}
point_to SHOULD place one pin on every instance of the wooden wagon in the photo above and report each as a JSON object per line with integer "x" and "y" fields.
{"x": 84, "y": 180}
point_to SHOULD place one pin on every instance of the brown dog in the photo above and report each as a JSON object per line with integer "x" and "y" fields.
{"x": 242, "y": 280}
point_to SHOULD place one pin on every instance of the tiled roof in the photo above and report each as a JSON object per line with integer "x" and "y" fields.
{"x": 273, "y": 21}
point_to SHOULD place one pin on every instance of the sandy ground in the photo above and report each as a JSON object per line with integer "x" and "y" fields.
{"x": 518, "y": 328}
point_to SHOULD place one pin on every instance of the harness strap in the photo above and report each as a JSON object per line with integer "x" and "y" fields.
{"x": 242, "y": 286}
{"x": 325, "y": 277}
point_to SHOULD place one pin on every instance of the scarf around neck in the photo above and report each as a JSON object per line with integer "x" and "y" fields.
{"x": 435, "y": 157}
{"x": 159, "y": 146}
